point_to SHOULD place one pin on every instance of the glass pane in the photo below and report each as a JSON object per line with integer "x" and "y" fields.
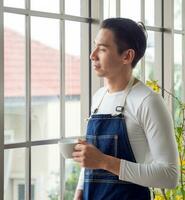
{"x": 76, "y": 7}
{"x": 149, "y": 12}
{"x": 14, "y": 175}
{"x": 178, "y": 14}
{"x": 178, "y": 65}
{"x": 178, "y": 89}
{"x": 15, "y": 4}
{"x": 45, "y": 172}
{"x": 45, "y": 78}
{"x": 72, "y": 170}
{"x": 109, "y": 8}
{"x": 153, "y": 12}
{"x": 130, "y": 11}
{"x": 72, "y": 78}
{"x": 153, "y": 57}
{"x": 46, "y": 6}
{"x": 137, "y": 72}
{"x": 14, "y": 78}
{"x": 76, "y": 57}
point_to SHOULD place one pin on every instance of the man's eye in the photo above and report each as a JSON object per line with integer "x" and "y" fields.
{"x": 101, "y": 49}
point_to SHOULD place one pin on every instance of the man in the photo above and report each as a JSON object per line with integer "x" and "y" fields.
{"x": 130, "y": 143}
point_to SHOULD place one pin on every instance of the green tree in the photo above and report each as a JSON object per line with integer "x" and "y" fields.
{"x": 71, "y": 182}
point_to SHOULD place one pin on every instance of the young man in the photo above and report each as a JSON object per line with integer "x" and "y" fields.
{"x": 130, "y": 143}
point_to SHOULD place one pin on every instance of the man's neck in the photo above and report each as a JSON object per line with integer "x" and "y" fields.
{"x": 118, "y": 84}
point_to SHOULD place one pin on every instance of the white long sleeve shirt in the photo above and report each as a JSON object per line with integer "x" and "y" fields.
{"x": 151, "y": 135}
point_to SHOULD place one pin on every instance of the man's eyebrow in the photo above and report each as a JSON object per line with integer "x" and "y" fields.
{"x": 101, "y": 44}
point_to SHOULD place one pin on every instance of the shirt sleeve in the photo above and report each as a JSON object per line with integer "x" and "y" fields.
{"x": 157, "y": 124}
{"x": 80, "y": 184}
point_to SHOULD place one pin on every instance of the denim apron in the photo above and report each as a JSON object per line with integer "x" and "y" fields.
{"x": 109, "y": 134}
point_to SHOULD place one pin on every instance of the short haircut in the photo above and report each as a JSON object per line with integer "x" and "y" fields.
{"x": 127, "y": 35}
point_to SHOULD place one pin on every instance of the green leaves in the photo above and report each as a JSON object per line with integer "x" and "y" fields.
{"x": 179, "y": 128}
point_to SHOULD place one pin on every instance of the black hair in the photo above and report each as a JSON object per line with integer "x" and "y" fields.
{"x": 127, "y": 35}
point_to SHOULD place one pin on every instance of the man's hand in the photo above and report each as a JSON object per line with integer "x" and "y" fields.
{"x": 78, "y": 195}
{"x": 87, "y": 155}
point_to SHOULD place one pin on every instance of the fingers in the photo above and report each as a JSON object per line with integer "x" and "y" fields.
{"x": 79, "y": 147}
{"x": 77, "y": 154}
{"x": 80, "y": 141}
{"x": 77, "y": 159}
{"x": 79, "y": 150}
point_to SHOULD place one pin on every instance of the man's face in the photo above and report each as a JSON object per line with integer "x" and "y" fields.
{"x": 105, "y": 58}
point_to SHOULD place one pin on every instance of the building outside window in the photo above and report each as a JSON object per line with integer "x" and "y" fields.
{"x": 45, "y": 94}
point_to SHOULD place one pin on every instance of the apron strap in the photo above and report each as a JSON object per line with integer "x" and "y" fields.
{"x": 97, "y": 108}
{"x": 119, "y": 109}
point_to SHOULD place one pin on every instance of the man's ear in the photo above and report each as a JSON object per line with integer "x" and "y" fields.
{"x": 128, "y": 56}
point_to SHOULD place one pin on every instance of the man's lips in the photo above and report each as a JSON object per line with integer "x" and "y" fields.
{"x": 96, "y": 66}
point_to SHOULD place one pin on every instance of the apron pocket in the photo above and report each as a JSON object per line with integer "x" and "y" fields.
{"x": 108, "y": 144}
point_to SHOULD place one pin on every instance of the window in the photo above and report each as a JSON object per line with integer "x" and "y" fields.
{"x": 45, "y": 81}
{"x": 179, "y": 60}
{"x": 21, "y": 192}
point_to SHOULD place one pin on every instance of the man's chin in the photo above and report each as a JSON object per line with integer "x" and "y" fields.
{"x": 100, "y": 75}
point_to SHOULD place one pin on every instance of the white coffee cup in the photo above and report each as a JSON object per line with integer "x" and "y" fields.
{"x": 67, "y": 147}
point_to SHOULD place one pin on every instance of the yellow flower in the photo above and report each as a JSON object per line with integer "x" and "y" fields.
{"x": 153, "y": 85}
{"x": 178, "y": 197}
{"x": 183, "y": 162}
{"x": 159, "y": 197}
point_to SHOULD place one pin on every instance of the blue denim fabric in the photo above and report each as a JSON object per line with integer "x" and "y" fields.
{"x": 109, "y": 134}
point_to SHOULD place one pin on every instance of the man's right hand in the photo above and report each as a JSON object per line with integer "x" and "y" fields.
{"x": 78, "y": 195}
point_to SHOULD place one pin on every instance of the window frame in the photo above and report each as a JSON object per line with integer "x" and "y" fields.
{"x": 95, "y": 16}
{"x": 93, "y": 9}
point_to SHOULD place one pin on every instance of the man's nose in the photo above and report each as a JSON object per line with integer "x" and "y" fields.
{"x": 93, "y": 54}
